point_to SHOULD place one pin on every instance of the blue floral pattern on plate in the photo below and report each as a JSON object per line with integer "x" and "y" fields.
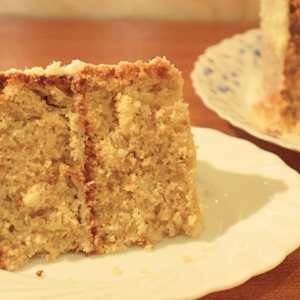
{"x": 228, "y": 79}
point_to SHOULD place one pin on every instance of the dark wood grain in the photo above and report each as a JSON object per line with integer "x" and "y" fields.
{"x": 28, "y": 43}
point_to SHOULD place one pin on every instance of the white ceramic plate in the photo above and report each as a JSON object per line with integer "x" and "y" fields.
{"x": 228, "y": 79}
{"x": 252, "y": 223}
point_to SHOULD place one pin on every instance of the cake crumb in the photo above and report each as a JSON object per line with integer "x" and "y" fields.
{"x": 186, "y": 258}
{"x": 145, "y": 272}
{"x": 206, "y": 249}
{"x": 39, "y": 273}
{"x": 149, "y": 247}
{"x": 116, "y": 271}
{"x": 206, "y": 192}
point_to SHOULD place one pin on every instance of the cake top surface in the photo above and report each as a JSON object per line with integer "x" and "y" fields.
{"x": 53, "y": 69}
{"x": 72, "y": 69}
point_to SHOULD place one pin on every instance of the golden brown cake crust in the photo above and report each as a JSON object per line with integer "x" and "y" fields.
{"x": 38, "y": 81}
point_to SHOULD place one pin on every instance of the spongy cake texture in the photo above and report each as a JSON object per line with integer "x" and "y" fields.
{"x": 94, "y": 159}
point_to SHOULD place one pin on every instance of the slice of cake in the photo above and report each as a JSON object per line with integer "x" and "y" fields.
{"x": 280, "y": 27}
{"x": 94, "y": 159}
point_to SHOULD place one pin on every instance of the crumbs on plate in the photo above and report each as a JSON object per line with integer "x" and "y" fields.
{"x": 145, "y": 272}
{"x": 116, "y": 271}
{"x": 186, "y": 258}
{"x": 39, "y": 273}
{"x": 206, "y": 192}
{"x": 206, "y": 249}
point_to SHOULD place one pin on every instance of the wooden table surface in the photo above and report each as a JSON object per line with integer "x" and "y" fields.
{"x": 28, "y": 43}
